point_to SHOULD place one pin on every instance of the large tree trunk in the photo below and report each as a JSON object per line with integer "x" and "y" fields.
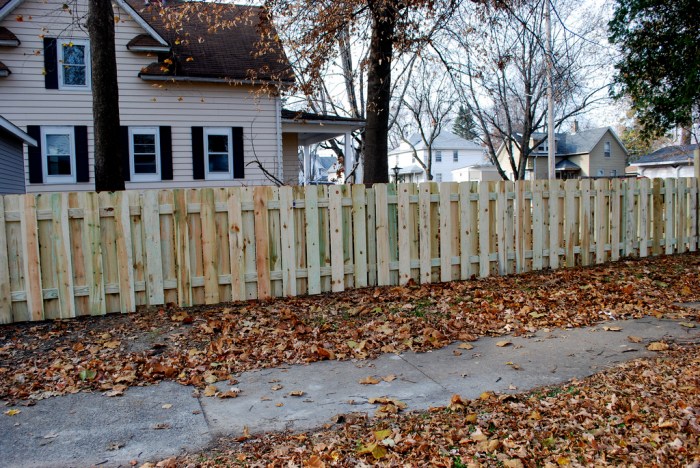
{"x": 376, "y": 164}
{"x": 105, "y": 96}
{"x": 685, "y": 135}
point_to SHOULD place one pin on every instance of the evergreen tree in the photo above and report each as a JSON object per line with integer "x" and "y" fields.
{"x": 464, "y": 125}
{"x": 660, "y": 65}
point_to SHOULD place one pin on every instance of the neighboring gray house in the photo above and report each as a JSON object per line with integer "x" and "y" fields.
{"x": 12, "y": 140}
{"x": 597, "y": 152}
{"x": 671, "y": 161}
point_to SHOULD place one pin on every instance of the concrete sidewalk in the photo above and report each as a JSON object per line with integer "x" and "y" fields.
{"x": 152, "y": 423}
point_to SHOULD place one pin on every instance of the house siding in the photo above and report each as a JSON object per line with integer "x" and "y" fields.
{"x": 12, "y": 167}
{"x": 25, "y": 101}
{"x": 403, "y": 157}
{"x": 598, "y": 161}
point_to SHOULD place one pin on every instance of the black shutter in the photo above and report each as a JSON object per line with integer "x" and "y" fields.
{"x": 124, "y": 151}
{"x": 82, "y": 165}
{"x": 197, "y": 152}
{"x": 36, "y": 173}
{"x": 50, "y": 63}
{"x": 238, "y": 157}
{"x": 166, "y": 153}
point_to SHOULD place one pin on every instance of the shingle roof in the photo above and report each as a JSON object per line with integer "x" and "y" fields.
{"x": 577, "y": 143}
{"x": 216, "y": 40}
{"x": 670, "y": 154}
{"x": 566, "y": 165}
{"x": 4, "y": 71}
{"x": 445, "y": 141}
{"x": 7, "y": 35}
{"x": 143, "y": 40}
{"x": 301, "y": 116}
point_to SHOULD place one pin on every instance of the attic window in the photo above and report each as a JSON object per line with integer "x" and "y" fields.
{"x": 74, "y": 64}
{"x": 606, "y": 151}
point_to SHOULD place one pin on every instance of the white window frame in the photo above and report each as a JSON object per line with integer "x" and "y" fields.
{"x": 144, "y": 131}
{"x": 438, "y": 177}
{"x": 88, "y": 65}
{"x": 438, "y": 156}
{"x": 218, "y": 175}
{"x": 607, "y": 150}
{"x": 613, "y": 172}
{"x": 455, "y": 156}
{"x": 57, "y": 130}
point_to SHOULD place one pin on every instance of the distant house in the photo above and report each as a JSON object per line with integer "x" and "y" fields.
{"x": 450, "y": 152}
{"x": 12, "y": 141}
{"x": 597, "y": 152}
{"x": 671, "y": 161}
{"x": 476, "y": 172}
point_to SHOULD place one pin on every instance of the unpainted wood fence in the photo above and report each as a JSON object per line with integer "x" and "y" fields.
{"x": 69, "y": 254}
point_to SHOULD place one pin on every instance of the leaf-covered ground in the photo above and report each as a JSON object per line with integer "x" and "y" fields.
{"x": 645, "y": 413}
{"x": 202, "y": 345}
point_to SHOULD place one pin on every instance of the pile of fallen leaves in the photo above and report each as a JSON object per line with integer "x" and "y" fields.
{"x": 200, "y": 346}
{"x": 642, "y": 413}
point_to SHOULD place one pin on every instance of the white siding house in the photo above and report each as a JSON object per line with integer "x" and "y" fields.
{"x": 450, "y": 152}
{"x": 668, "y": 162}
{"x": 191, "y": 114}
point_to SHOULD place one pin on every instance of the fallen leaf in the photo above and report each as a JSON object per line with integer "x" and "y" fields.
{"x": 389, "y": 378}
{"x": 159, "y": 426}
{"x": 314, "y": 462}
{"x": 612, "y": 329}
{"x": 296, "y": 393}
{"x": 687, "y": 324}
{"x": 465, "y": 346}
{"x": 279, "y": 405}
{"x": 210, "y": 390}
{"x": 369, "y": 381}
{"x": 13, "y": 412}
{"x": 658, "y": 346}
{"x": 503, "y": 344}
{"x": 167, "y": 406}
{"x": 635, "y": 339}
{"x": 276, "y": 387}
{"x": 112, "y": 344}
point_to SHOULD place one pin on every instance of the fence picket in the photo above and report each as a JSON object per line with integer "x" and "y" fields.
{"x": 670, "y": 215}
{"x": 484, "y": 231}
{"x": 644, "y": 218}
{"x": 537, "y": 224}
{"x": 404, "y": 211}
{"x": 5, "y": 289}
{"x": 335, "y": 209}
{"x": 445, "y": 213}
{"x": 693, "y": 210}
{"x": 359, "y": 234}
{"x": 555, "y": 222}
{"x": 262, "y": 241}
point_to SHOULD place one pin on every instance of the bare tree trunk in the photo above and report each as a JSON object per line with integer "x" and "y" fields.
{"x": 105, "y": 96}
{"x": 376, "y": 164}
{"x": 685, "y": 135}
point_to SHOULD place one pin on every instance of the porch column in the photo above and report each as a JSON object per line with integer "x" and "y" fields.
{"x": 306, "y": 150}
{"x": 349, "y": 155}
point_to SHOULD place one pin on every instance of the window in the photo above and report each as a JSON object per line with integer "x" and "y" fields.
{"x": 218, "y": 162}
{"x": 601, "y": 173}
{"x": 607, "y": 149}
{"x": 613, "y": 173}
{"x": 455, "y": 156}
{"x": 144, "y": 153}
{"x": 438, "y": 177}
{"x": 74, "y": 64}
{"x": 438, "y": 156}
{"x": 58, "y": 154}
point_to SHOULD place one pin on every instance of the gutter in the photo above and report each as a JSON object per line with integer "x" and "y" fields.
{"x": 14, "y": 130}
{"x": 198, "y": 79}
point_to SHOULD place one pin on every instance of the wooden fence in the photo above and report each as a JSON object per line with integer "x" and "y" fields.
{"x": 69, "y": 254}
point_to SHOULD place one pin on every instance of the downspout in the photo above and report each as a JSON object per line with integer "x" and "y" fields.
{"x": 278, "y": 124}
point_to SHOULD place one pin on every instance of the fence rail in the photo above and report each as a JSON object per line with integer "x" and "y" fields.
{"x": 69, "y": 254}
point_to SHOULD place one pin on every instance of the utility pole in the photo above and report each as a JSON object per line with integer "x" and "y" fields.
{"x": 551, "y": 142}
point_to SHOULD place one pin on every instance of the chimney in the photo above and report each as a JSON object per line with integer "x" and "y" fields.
{"x": 574, "y": 127}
